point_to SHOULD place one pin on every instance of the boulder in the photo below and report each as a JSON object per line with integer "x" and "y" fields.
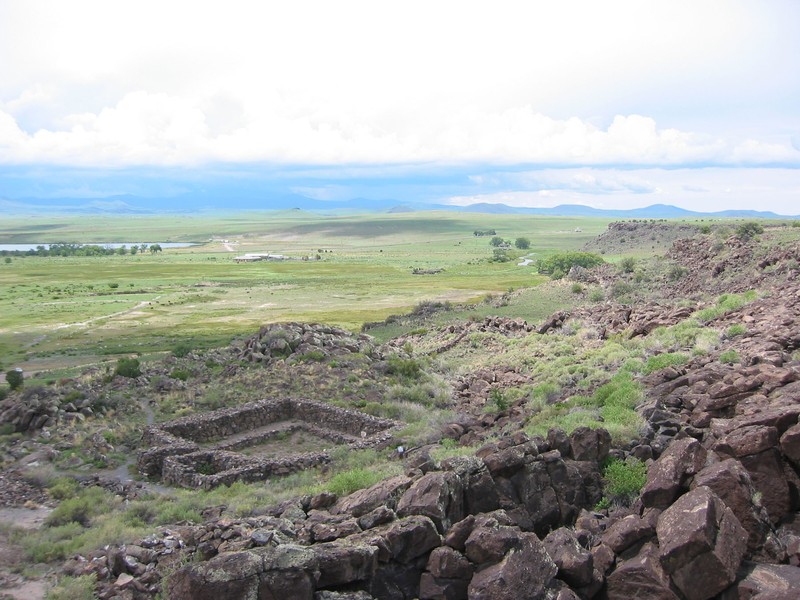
{"x": 438, "y": 588}
{"x": 488, "y": 545}
{"x": 640, "y": 577}
{"x": 241, "y": 576}
{"x": 747, "y": 440}
{"x": 385, "y": 492}
{"x": 765, "y": 582}
{"x": 409, "y": 537}
{"x": 671, "y": 473}
{"x": 590, "y": 444}
{"x": 790, "y": 444}
{"x": 731, "y": 482}
{"x": 702, "y": 544}
{"x": 459, "y": 533}
{"x": 767, "y": 474}
{"x": 378, "y": 516}
{"x": 575, "y": 564}
{"x": 447, "y": 577}
{"x": 523, "y": 573}
{"x": 445, "y": 562}
{"x": 438, "y": 495}
{"x": 343, "y": 563}
{"x": 626, "y": 532}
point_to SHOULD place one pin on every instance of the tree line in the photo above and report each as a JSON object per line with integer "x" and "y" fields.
{"x": 65, "y": 249}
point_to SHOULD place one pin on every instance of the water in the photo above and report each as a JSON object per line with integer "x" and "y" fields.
{"x": 26, "y": 247}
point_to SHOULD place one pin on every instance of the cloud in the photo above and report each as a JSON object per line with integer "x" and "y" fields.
{"x": 159, "y": 129}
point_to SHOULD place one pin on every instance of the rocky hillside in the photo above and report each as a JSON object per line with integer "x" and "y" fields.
{"x": 616, "y": 450}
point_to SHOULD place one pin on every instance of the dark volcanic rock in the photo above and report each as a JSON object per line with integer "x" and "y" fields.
{"x": 438, "y": 495}
{"x": 522, "y": 574}
{"x": 626, "y": 532}
{"x": 765, "y": 582}
{"x": 575, "y": 564}
{"x": 731, "y": 482}
{"x": 385, "y": 492}
{"x": 702, "y": 544}
{"x": 672, "y": 472}
{"x": 640, "y": 577}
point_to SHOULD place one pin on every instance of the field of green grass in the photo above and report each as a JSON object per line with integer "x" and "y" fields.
{"x": 65, "y": 311}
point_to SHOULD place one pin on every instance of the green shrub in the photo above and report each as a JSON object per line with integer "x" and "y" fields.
{"x": 15, "y": 379}
{"x": 677, "y": 272}
{"x": 113, "y": 286}
{"x": 181, "y": 374}
{"x": 624, "y": 479}
{"x": 705, "y": 229}
{"x": 73, "y": 588}
{"x": 735, "y": 330}
{"x": 313, "y": 356}
{"x": 405, "y": 367}
{"x": 498, "y": 398}
{"x": 87, "y": 503}
{"x": 596, "y": 295}
{"x": 748, "y": 230}
{"x": 181, "y": 350}
{"x": 348, "y": 482}
{"x": 729, "y": 357}
{"x": 627, "y": 264}
{"x": 667, "y": 359}
{"x": 128, "y": 367}
{"x": 795, "y": 223}
{"x": 74, "y": 396}
{"x": 577, "y": 288}
{"x": 620, "y": 289}
{"x": 562, "y": 262}
{"x": 63, "y": 488}
{"x": 522, "y": 243}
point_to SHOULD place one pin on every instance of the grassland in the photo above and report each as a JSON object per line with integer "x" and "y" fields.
{"x": 57, "y": 312}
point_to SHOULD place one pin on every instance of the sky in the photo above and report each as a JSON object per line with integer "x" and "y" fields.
{"x": 615, "y": 104}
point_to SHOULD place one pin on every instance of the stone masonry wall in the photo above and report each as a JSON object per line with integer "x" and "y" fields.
{"x": 174, "y": 452}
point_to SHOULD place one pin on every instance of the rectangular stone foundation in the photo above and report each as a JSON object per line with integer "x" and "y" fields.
{"x": 199, "y": 451}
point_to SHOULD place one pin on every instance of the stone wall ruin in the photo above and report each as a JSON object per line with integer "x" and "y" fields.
{"x": 204, "y": 451}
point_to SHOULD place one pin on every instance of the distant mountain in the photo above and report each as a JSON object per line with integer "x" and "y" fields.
{"x": 211, "y": 201}
{"x": 656, "y": 211}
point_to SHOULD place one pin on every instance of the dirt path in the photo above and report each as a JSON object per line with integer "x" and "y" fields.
{"x": 141, "y": 304}
{"x": 13, "y": 584}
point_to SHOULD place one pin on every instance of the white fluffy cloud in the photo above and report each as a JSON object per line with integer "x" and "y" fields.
{"x": 93, "y": 82}
{"x": 145, "y": 128}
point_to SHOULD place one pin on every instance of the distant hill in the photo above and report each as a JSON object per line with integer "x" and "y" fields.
{"x": 212, "y": 201}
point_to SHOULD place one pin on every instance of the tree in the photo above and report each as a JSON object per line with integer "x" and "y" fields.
{"x": 559, "y": 264}
{"x": 522, "y": 243}
{"x": 499, "y": 255}
{"x": 15, "y": 378}
{"x": 134, "y": 249}
{"x": 496, "y": 241}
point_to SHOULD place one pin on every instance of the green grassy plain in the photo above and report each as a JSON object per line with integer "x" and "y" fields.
{"x": 64, "y": 311}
